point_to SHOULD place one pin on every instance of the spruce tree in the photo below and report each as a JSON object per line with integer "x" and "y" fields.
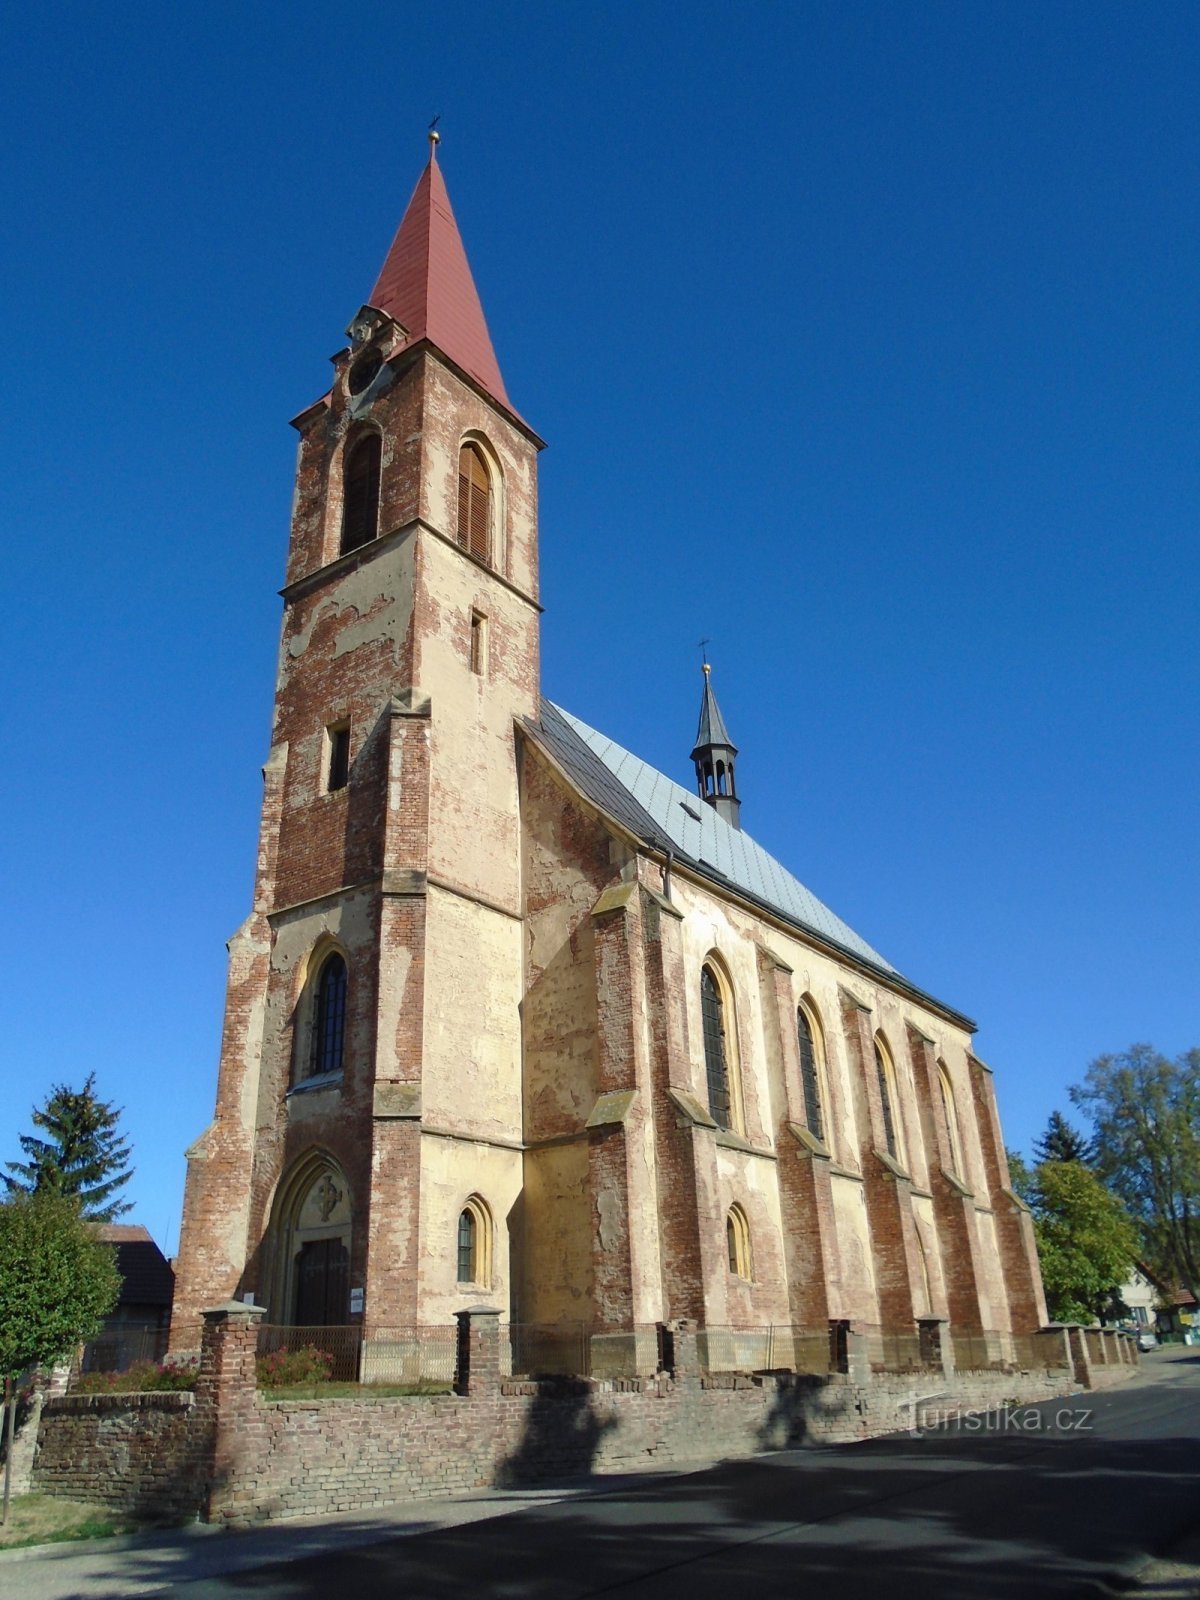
{"x": 84, "y": 1156}
{"x": 1062, "y": 1142}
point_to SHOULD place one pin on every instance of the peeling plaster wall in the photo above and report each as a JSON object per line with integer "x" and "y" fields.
{"x": 471, "y": 1072}
{"x": 556, "y": 1281}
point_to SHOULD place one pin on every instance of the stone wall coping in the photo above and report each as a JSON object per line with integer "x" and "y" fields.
{"x": 134, "y": 1400}
{"x": 233, "y": 1309}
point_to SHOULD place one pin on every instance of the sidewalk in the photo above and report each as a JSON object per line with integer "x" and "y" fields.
{"x": 159, "y": 1561}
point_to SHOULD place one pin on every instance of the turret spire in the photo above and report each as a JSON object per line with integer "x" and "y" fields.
{"x": 426, "y": 282}
{"x": 713, "y": 755}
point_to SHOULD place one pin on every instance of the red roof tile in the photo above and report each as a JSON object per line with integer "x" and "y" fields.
{"x": 426, "y": 284}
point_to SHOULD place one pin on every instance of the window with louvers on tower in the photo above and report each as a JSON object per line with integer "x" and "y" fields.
{"x": 474, "y": 502}
{"x": 360, "y": 494}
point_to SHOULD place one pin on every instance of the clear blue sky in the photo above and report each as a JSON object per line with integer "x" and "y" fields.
{"x": 865, "y": 339}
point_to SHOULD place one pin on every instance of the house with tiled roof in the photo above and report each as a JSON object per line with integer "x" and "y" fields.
{"x": 516, "y": 1020}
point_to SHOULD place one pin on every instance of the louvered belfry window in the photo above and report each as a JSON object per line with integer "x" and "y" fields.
{"x": 360, "y": 493}
{"x": 329, "y": 1018}
{"x": 808, "y": 1076}
{"x": 712, "y": 1015}
{"x": 474, "y": 502}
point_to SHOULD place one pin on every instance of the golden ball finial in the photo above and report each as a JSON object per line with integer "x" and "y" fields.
{"x": 705, "y": 668}
{"x": 435, "y": 138}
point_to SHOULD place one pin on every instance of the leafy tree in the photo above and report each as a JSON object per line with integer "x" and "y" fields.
{"x": 84, "y": 1156}
{"x": 1086, "y": 1239}
{"x": 1019, "y": 1176}
{"x": 57, "y": 1281}
{"x": 1062, "y": 1142}
{"x": 1146, "y": 1113}
{"x": 57, "y": 1284}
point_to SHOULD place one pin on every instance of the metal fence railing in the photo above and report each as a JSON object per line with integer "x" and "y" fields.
{"x": 769, "y": 1347}
{"x": 545, "y": 1349}
{"x": 409, "y": 1355}
{"x": 894, "y": 1349}
{"x": 117, "y": 1349}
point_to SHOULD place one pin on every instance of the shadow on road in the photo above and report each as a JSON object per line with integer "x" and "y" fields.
{"x": 981, "y": 1518}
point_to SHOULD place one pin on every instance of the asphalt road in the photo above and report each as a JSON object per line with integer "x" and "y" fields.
{"x": 1068, "y": 1498}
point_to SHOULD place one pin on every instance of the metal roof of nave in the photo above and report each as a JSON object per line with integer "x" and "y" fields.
{"x": 666, "y": 815}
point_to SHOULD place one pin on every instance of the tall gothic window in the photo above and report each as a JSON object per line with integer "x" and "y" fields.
{"x": 474, "y": 502}
{"x": 947, "y": 1088}
{"x": 360, "y": 493}
{"x": 474, "y": 1264}
{"x": 737, "y": 1243}
{"x": 883, "y": 1069}
{"x": 466, "y": 1247}
{"x": 808, "y": 1075}
{"x": 329, "y": 1018}
{"x": 716, "y": 1058}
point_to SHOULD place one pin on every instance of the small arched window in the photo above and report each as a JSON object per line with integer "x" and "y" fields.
{"x": 360, "y": 492}
{"x": 716, "y": 1056}
{"x": 328, "y": 1018}
{"x": 474, "y": 1244}
{"x": 737, "y": 1243}
{"x": 947, "y": 1088}
{"x": 474, "y": 502}
{"x": 809, "y": 1075}
{"x": 887, "y": 1084}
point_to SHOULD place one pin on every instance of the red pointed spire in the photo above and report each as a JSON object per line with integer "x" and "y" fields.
{"x": 426, "y": 284}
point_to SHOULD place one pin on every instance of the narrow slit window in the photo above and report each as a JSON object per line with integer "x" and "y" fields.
{"x": 339, "y": 756}
{"x": 478, "y": 643}
{"x": 737, "y": 1243}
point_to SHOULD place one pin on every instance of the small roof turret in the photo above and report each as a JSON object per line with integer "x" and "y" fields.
{"x": 714, "y": 755}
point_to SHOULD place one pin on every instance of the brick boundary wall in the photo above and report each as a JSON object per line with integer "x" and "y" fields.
{"x": 233, "y": 1456}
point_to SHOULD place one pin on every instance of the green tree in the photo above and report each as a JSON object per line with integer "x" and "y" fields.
{"x": 1146, "y": 1113}
{"x": 57, "y": 1284}
{"x": 83, "y": 1156}
{"x": 1086, "y": 1239}
{"x": 1019, "y": 1176}
{"x": 1061, "y": 1142}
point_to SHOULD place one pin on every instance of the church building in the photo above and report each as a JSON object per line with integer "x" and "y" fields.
{"x": 515, "y": 1020}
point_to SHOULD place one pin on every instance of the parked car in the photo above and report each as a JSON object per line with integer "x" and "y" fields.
{"x": 1147, "y": 1339}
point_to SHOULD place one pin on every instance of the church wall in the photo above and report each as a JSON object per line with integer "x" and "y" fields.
{"x": 555, "y": 1284}
{"x": 452, "y": 411}
{"x": 854, "y": 1250}
{"x": 346, "y": 649}
{"x": 335, "y": 1117}
{"x": 471, "y": 1066}
{"x": 452, "y": 1172}
{"x": 474, "y": 838}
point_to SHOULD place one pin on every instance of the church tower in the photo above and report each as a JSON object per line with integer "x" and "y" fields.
{"x": 354, "y": 1119}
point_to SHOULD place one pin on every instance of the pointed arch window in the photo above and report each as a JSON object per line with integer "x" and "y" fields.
{"x": 474, "y": 502}
{"x": 737, "y": 1243}
{"x": 809, "y": 1074}
{"x": 360, "y": 492}
{"x": 887, "y": 1082}
{"x": 947, "y": 1090}
{"x": 474, "y": 1244}
{"x": 716, "y": 1056}
{"x": 329, "y": 1018}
